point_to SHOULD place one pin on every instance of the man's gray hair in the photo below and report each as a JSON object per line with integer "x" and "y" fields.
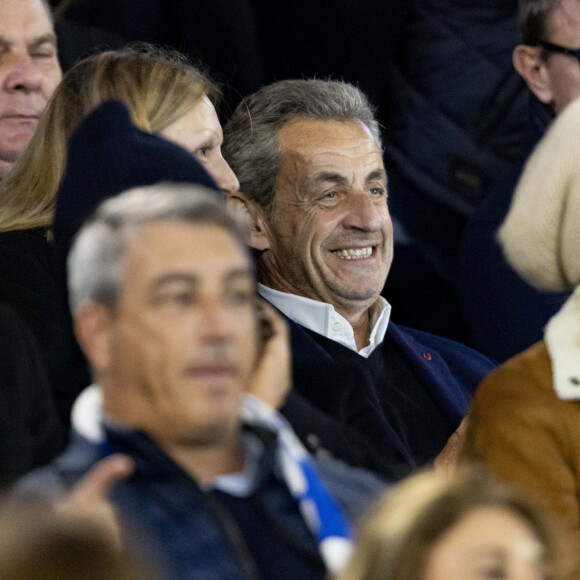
{"x": 533, "y": 18}
{"x": 96, "y": 260}
{"x": 251, "y": 134}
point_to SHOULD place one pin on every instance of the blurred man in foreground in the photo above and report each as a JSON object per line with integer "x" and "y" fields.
{"x": 163, "y": 295}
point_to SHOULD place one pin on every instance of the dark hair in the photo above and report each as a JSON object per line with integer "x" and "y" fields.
{"x": 533, "y": 19}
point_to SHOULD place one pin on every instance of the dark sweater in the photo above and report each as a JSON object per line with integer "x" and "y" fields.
{"x": 337, "y": 405}
{"x": 401, "y": 397}
{"x": 29, "y": 286}
{"x": 192, "y": 533}
{"x": 30, "y": 432}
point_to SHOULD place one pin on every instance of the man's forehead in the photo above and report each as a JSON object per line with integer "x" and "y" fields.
{"x": 30, "y": 18}
{"x": 318, "y": 148}
{"x": 304, "y": 131}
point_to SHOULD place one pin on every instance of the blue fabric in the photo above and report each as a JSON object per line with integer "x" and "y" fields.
{"x": 456, "y": 108}
{"x": 295, "y": 466}
{"x": 181, "y": 528}
{"x": 355, "y": 430}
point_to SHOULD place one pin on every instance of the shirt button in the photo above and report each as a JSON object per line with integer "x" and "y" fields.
{"x": 337, "y": 326}
{"x": 313, "y": 441}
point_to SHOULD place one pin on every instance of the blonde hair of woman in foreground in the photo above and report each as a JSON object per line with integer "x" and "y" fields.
{"x": 462, "y": 526}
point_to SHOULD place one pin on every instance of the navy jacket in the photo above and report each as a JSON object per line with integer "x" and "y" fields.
{"x": 454, "y": 111}
{"x": 187, "y": 532}
{"x": 348, "y": 422}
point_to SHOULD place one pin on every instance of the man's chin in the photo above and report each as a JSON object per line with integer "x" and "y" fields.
{"x": 211, "y": 432}
{"x": 363, "y": 294}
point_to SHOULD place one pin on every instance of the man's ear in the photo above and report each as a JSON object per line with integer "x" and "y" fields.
{"x": 93, "y": 329}
{"x": 528, "y": 61}
{"x": 250, "y": 212}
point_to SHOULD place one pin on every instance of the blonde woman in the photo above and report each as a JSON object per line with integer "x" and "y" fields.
{"x": 441, "y": 526}
{"x": 165, "y": 95}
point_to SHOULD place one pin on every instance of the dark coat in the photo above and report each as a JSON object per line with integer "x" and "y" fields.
{"x": 29, "y": 286}
{"x": 30, "y": 432}
{"x": 187, "y": 531}
{"x": 454, "y": 115}
{"x": 331, "y": 406}
{"x": 503, "y": 314}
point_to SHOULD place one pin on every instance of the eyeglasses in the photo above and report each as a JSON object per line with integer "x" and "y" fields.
{"x": 573, "y": 52}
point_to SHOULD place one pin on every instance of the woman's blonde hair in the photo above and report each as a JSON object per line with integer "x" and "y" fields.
{"x": 398, "y": 533}
{"x": 158, "y": 86}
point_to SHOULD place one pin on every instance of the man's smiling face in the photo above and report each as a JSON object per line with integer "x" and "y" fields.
{"x": 329, "y": 231}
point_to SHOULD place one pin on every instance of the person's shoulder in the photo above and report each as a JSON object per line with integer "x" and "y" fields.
{"x": 52, "y": 481}
{"x": 32, "y": 240}
{"x": 26, "y": 258}
{"x": 527, "y": 374}
{"x": 447, "y": 348}
{"x": 353, "y": 488}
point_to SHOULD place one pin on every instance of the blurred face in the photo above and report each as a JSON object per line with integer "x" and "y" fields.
{"x": 329, "y": 230}
{"x": 29, "y": 73}
{"x": 487, "y": 543}
{"x": 183, "y": 340}
{"x": 563, "y": 71}
{"x": 199, "y": 131}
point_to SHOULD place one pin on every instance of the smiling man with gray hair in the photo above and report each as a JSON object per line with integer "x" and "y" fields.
{"x": 313, "y": 185}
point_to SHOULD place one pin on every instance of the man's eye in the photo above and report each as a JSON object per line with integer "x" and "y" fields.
{"x": 330, "y": 195}
{"x": 492, "y": 572}
{"x": 377, "y": 191}
{"x": 175, "y": 299}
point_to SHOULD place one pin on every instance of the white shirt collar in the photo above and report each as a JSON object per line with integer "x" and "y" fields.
{"x": 322, "y": 318}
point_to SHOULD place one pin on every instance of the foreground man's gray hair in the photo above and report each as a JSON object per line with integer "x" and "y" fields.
{"x": 251, "y": 134}
{"x": 95, "y": 262}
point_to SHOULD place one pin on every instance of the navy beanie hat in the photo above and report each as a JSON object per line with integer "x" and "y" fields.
{"x": 107, "y": 154}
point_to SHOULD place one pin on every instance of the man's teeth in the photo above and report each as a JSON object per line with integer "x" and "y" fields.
{"x": 354, "y": 254}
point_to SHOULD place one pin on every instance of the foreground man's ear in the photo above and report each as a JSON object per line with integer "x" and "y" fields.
{"x": 92, "y": 324}
{"x": 252, "y": 214}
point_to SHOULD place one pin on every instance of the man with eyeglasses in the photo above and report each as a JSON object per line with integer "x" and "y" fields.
{"x": 549, "y": 57}
{"x": 507, "y": 316}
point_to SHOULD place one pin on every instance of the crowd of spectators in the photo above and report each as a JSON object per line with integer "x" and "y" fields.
{"x": 289, "y": 290}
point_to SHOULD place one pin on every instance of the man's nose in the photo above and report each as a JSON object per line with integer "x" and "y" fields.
{"x": 364, "y": 213}
{"x": 23, "y": 74}
{"x": 217, "y": 322}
